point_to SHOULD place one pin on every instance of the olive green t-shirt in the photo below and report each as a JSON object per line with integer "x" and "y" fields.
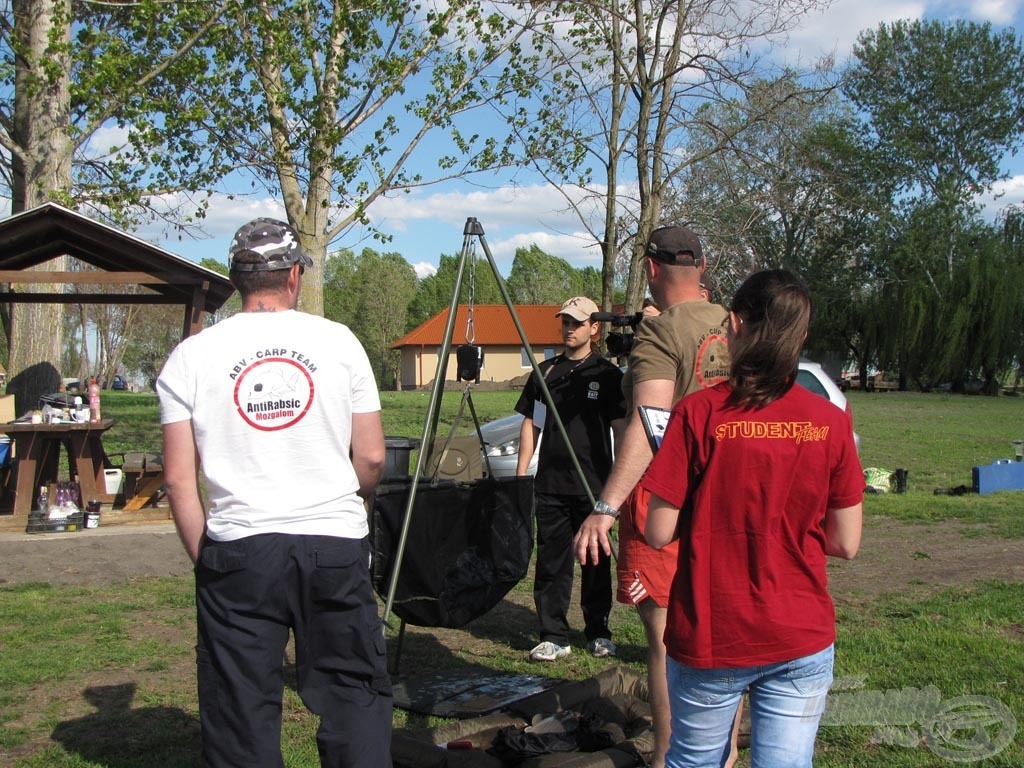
{"x": 686, "y": 344}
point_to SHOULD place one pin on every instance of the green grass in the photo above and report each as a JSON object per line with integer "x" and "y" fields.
{"x": 923, "y": 655}
{"x": 967, "y": 641}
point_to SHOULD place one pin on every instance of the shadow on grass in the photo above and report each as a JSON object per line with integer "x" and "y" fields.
{"x": 119, "y": 736}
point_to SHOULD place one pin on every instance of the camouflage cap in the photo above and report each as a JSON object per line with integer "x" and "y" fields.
{"x": 265, "y": 244}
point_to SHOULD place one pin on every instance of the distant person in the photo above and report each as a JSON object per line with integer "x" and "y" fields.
{"x": 681, "y": 350}
{"x": 587, "y": 393}
{"x": 769, "y": 482}
{"x": 280, "y": 411}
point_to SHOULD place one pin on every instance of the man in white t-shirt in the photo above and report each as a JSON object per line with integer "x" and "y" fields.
{"x": 280, "y": 411}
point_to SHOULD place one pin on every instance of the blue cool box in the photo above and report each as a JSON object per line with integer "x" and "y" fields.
{"x": 1004, "y": 475}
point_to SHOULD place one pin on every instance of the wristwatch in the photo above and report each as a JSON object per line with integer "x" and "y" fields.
{"x": 602, "y": 507}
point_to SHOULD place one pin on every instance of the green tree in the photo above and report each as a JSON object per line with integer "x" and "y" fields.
{"x": 943, "y": 104}
{"x": 67, "y": 71}
{"x": 434, "y": 292}
{"x": 155, "y": 333}
{"x": 629, "y": 80}
{"x": 788, "y": 192}
{"x": 325, "y": 102}
{"x": 341, "y": 297}
{"x": 379, "y": 290}
{"x": 537, "y": 277}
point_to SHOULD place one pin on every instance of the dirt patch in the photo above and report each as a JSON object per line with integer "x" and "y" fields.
{"x": 894, "y": 557}
{"x": 93, "y": 557}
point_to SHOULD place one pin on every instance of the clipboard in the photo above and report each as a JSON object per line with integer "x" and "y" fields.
{"x": 655, "y": 420}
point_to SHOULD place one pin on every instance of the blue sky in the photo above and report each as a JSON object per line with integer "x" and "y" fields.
{"x": 519, "y": 211}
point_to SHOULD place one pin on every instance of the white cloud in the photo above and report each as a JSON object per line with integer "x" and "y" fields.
{"x": 999, "y": 12}
{"x": 424, "y": 269}
{"x": 211, "y": 236}
{"x": 1004, "y": 193}
{"x": 424, "y": 224}
{"x": 107, "y": 138}
{"x": 835, "y": 30}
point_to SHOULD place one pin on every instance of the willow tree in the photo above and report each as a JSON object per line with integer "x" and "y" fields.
{"x": 82, "y": 88}
{"x": 326, "y": 102}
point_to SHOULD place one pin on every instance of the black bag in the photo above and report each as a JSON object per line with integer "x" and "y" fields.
{"x": 468, "y": 544}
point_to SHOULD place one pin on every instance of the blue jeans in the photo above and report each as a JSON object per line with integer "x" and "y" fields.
{"x": 787, "y": 700}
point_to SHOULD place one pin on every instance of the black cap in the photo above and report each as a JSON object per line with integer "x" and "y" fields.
{"x": 675, "y": 245}
{"x": 265, "y": 244}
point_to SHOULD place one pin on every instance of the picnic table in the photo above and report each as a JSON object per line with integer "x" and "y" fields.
{"x": 37, "y": 450}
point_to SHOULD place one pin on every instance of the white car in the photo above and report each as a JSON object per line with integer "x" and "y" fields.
{"x": 502, "y": 435}
{"x": 812, "y": 376}
{"x": 502, "y": 439}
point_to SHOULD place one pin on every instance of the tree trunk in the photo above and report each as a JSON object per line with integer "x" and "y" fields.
{"x": 41, "y": 171}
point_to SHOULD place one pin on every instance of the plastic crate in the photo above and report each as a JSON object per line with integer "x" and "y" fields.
{"x": 70, "y": 524}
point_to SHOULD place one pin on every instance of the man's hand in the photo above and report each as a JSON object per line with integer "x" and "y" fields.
{"x": 592, "y": 538}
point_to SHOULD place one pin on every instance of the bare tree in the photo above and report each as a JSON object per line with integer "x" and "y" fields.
{"x": 632, "y": 78}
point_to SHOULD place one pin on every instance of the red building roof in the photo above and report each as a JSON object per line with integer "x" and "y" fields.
{"x": 492, "y": 324}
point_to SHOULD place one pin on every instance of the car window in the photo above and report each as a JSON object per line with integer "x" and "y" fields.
{"x": 809, "y": 381}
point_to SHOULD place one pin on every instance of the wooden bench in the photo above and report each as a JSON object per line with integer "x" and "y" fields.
{"x": 143, "y": 480}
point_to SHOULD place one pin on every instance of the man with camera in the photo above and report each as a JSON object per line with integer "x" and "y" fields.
{"x": 676, "y": 352}
{"x": 586, "y": 390}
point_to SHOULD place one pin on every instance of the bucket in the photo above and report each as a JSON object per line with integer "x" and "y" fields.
{"x": 112, "y": 478}
{"x": 397, "y": 452}
{"x": 5, "y": 449}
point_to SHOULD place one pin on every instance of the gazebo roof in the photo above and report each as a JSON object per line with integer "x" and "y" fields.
{"x": 33, "y": 237}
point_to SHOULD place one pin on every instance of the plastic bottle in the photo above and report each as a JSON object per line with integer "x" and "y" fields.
{"x": 94, "y": 401}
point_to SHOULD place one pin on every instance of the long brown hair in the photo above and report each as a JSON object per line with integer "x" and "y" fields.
{"x": 774, "y": 308}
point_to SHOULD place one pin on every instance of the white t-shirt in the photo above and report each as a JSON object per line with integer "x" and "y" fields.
{"x": 271, "y": 397}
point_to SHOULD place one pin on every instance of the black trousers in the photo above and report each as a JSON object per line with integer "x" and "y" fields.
{"x": 558, "y": 519}
{"x": 249, "y": 593}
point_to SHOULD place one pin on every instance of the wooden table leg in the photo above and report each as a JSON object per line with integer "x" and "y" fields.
{"x": 86, "y": 453}
{"x": 28, "y": 454}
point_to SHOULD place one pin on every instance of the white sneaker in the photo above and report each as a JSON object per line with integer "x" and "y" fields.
{"x": 548, "y": 651}
{"x": 601, "y": 647}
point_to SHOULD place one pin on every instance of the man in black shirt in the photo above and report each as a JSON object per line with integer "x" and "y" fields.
{"x": 587, "y": 391}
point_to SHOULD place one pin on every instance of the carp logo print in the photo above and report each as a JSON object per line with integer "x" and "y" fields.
{"x": 273, "y": 393}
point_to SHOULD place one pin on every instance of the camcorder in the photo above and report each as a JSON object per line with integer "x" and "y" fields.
{"x": 619, "y": 343}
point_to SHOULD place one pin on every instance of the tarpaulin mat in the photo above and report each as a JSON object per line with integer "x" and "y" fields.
{"x": 532, "y": 731}
{"x": 467, "y": 694}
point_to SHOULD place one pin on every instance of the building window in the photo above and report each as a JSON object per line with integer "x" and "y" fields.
{"x": 526, "y": 354}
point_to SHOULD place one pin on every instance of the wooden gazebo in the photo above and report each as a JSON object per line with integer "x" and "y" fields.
{"x": 34, "y": 237}
{"x": 37, "y": 236}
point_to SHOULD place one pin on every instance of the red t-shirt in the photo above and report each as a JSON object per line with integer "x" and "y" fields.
{"x": 753, "y": 487}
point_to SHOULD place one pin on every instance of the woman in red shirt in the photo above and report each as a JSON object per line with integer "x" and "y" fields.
{"x": 768, "y": 480}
